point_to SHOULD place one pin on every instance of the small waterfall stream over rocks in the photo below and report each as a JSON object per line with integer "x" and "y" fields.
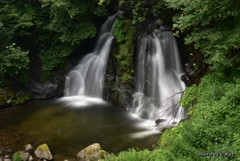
{"x": 158, "y": 80}
{"x": 87, "y": 78}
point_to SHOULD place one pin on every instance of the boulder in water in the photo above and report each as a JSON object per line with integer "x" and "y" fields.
{"x": 143, "y": 115}
{"x": 159, "y": 120}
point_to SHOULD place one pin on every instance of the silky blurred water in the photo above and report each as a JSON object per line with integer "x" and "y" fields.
{"x": 68, "y": 125}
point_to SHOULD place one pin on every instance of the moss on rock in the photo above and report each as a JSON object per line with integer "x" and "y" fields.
{"x": 92, "y": 153}
{"x": 43, "y": 152}
{"x": 17, "y": 156}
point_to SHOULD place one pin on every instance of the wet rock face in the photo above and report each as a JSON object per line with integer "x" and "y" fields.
{"x": 120, "y": 95}
{"x": 47, "y": 89}
{"x": 115, "y": 92}
{"x": 159, "y": 121}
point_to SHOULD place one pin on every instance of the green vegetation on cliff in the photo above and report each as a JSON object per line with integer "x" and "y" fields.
{"x": 57, "y": 28}
{"x": 124, "y": 34}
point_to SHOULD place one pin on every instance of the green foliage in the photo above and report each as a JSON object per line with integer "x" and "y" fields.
{"x": 101, "y": 2}
{"x": 15, "y": 63}
{"x": 68, "y": 19}
{"x": 138, "y": 12}
{"x": 11, "y": 21}
{"x": 45, "y": 75}
{"x": 53, "y": 56}
{"x": 213, "y": 27}
{"x": 212, "y": 127}
{"x": 13, "y": 60}
{"x": 124, "y": 34}
{"x": 130, "y": 155}
{"x": 118, "y": 31}
{"x": 190, "y": 97}
{"x": 21, "y": 99}
{"x": 17, "y": 156}
{"x": 101, "y": 10}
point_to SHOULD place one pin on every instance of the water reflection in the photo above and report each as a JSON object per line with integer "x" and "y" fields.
{"x": 68, "y": 125}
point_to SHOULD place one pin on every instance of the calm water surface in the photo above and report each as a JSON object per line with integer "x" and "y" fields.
{"x": 70, "y": 124}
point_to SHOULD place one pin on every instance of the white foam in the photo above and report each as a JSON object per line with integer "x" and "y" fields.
{"x": 143, "y": 134}
{"x": 81, "y": 101}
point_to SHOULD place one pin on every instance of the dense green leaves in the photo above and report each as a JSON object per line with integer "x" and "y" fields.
{"x": 130, "y": 155}
{"x": 215, "y": 120}
{"x": 14, "y": 62}
{"x": 124, "y": 33}
{"x": 71, "y": 19}
{"x": 211, "y": 26}
{"x": 49, "y": 29}
{"x": 53, "y": 56}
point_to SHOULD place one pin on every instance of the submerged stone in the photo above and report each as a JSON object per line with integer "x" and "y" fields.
{"x": 159, "y": 120}
{"x": 43, "y": 152}
{"x": 143, "y": 115}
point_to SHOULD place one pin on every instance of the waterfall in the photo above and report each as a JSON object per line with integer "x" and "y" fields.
{"x": 158, "y": 83}
{"x": 87, "y": 78}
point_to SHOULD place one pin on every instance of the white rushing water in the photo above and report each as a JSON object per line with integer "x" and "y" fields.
{"x": 158, "y": 83}
{"x": 87, "y": 78}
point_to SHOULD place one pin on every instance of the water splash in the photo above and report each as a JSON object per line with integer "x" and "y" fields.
{"x": 87, "y": 78}
{"x": 158, "y": 83}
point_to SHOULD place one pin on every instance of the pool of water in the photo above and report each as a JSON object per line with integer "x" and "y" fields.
{"x": 68, "y": 125}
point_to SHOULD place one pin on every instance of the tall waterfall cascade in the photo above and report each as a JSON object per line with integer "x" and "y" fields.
{"x": 87, "y": 78}
{"x": 158, "y": 79}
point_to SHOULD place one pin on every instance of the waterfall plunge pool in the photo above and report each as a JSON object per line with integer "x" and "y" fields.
{"x": 70, "y": 124}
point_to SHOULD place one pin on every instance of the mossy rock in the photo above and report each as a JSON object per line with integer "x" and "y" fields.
{"x": 102, "y": 154}
{"x": 43, "y": 152}
{"x": 92, "y": 153}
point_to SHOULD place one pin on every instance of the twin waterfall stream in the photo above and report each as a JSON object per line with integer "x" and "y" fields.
{"x": 158, "y": 72}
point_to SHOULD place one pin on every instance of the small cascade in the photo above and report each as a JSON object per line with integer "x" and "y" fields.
{"x": 87, "y": 78}
{"x": 158, "y": 83}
